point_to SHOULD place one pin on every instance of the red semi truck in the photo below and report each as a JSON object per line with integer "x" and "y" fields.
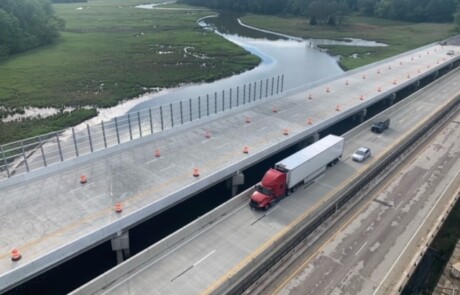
{"x": 300, "y": 168}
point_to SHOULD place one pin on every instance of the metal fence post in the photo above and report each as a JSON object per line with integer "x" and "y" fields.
{"x": 260, "y": 90}
{"x": 181, "y": 113}
{"x": 41, "y": 148}
{"x": 89, "y": 138}
{"x": 129, "y": 127}
{"x": 116, "y": 129}
{"x": 215, "y": 102}
{"x": 230, "y": 98}
{"x": 207, "y": 104}
{"x": 171, "y": 113}
{"x": 223, "y": 100}
{"x": 59, "y": 147}
{"x": 161, "y": 118}
{"x": 151, "y": 120}
{"x": 237, "y": 95}
{"x": 266, "y": 88}
{"x": 25, "y": 158}
{"x": 139, "y": 121}
{"x": 249, "y": 92}
{"x": 103, "y": 134}
{"x": 277, "y": 84}
{"x": 244, "y": 94}
{"x": 75, "y": 142}
{"x": 255, "y": 90}
{"x": 282, "y": 82}
{"x": 199, "y": 107}
{"x": 4, "y": 161}
{"x": 273, "y": 83}
{"x": 190, "y": 109}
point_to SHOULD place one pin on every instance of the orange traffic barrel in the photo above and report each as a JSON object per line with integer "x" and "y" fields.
{"x": 118, "y": 208}
{"x": 15, "y": 255}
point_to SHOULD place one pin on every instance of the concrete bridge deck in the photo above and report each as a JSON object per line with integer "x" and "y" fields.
{"x": 50, "y": 216}
{"x": 213, "y": 252}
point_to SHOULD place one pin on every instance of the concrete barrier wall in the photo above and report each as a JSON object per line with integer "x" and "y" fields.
{"x": 232, "y": 280}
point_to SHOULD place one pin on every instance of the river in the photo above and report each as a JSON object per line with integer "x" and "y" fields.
{"x": 300, "y": 61}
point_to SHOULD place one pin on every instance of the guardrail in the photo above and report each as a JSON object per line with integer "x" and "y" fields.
{"x": 41, "y": 151}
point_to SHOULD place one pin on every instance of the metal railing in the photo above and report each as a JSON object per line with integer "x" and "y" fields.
{"x": 41, "y": 151}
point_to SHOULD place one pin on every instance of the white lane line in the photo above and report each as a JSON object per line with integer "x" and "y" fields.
{"x": 360, "y": 249}
{"x": 148, "y": 162}
{"x": 274, "y": 208}
{"x": 413, "y": 236}
{"x": 222, "y": 145}
{"x": 169, "y": 167}
{"x": 263, "y": 128}
{"x": 94, "y": 198}
{"x": 402, "y": 120}
{"x": 204, "y": 258}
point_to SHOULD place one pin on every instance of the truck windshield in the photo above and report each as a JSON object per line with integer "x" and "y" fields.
{"x": 264, "y": 190}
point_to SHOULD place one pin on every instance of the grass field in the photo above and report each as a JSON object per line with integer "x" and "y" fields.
{"x": 111, "y": 51}
{"x": 400, "y": 36}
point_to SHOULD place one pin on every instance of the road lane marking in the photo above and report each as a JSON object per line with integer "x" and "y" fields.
{"x": 360, "y": 249}
{"x": 192, "y": 266}
{"x": 148, "y": 162}
{"x": 413, "y": 236}
{"x": 204, "y": 258}
{"x": 169, "y": 167}
{"x": 270, "y": 212}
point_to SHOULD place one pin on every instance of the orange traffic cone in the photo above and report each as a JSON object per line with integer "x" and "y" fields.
{"x": 245, "y": 150}
{"x": 118, "y": 208}
{"x": 83, "y": 179}
{"x": 15, "y": 255}
{"x": 196, "y": 172}
{"x": 157, "y": 153}
{"x": 285, "y": 131}
{"x": 310, "y": 121}
{"x": 337, "y": 108}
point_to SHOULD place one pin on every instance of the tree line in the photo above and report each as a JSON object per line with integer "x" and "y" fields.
{"x": 323, "y": 10}
{"x": 26, "y": 24}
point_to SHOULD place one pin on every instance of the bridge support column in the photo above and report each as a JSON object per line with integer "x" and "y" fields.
{"x": 237, "y": 179}
{"x": 120, "y": 244}
{"x": 391, "y": 99}
{"x": 416, "y": 85}
{"x": 360, "y": 116}
{"x": 314, "y": 138}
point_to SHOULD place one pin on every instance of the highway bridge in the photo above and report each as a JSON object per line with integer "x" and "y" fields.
{"x": 49, "y": 216}
{"x": 218, "y": 252}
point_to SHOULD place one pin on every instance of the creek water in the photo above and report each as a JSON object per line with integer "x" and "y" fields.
{"x": 299, "y": 60}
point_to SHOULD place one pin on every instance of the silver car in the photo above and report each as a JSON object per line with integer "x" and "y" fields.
{"x": 361, "y": 154}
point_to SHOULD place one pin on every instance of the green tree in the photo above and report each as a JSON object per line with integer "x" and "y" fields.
{"x": 26, "y": 24}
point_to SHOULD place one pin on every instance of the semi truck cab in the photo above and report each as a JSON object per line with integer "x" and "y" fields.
{"x": 269, "y": 190}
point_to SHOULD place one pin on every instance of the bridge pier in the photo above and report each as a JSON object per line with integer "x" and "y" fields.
{"x": 416, "y": 85}
{"x": 390, "y": 100}
{"x": 234, "y": 182}
{"x": 313, "y": 138}
{"x": 360, "y": 116}
{"x": 120, "y": 244}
